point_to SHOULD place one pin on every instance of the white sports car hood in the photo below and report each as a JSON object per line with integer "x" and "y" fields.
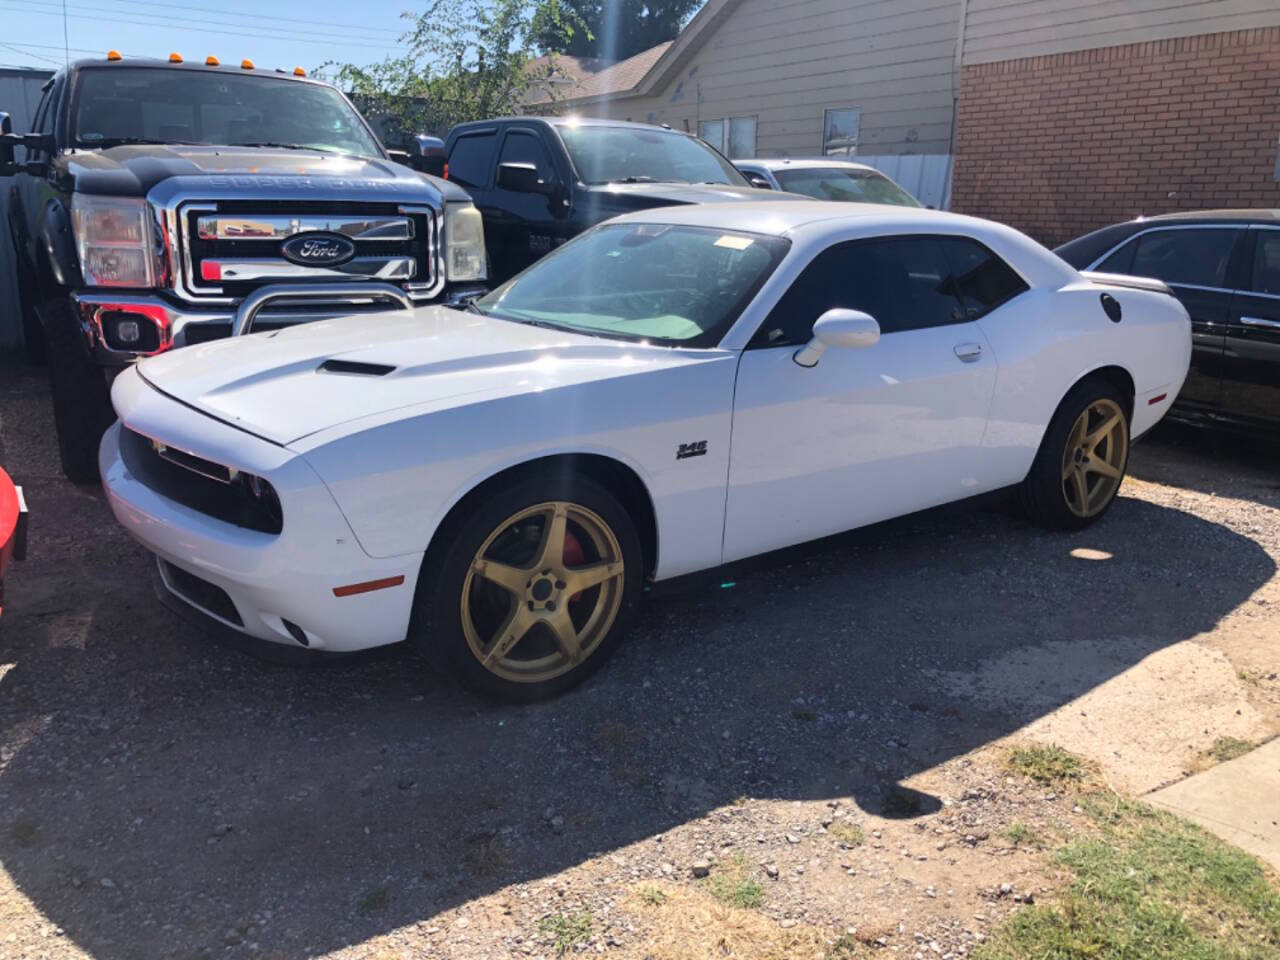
{"x": 287, "y": 384}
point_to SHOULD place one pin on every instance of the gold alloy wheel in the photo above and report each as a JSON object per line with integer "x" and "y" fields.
{"x": 1094, "y": 460}
{"x": 542, "y": 592}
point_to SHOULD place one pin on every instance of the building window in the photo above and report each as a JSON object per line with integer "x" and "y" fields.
{"x": 840, "y": 132}
{"x": 735, "y": 137}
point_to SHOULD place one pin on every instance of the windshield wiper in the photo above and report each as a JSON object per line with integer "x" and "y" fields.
{"x": 108, "y": 142}
{"x": 281, "y": 146}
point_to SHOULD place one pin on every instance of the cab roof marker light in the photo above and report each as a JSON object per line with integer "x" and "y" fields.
{"x": 246, "y": 64}
{"x": 211, "y": 61}
{"x": 114, "y": 55}
{"x": 175, "y": 58}
{"x": 299, "y": 72}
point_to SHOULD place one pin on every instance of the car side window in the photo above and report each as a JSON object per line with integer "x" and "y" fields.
{"x": 1193, "y": 256}
{"x": 983, "y": 280}
{"x": 520, "y": 146}
{"x": 1266, "y": 263}
{"x": 471, "y": 158}
{"x": 902, "y": 282}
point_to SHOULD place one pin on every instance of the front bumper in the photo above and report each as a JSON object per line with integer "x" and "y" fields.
{"x": 167, "y": 326}
{"x": 285, "y": 588}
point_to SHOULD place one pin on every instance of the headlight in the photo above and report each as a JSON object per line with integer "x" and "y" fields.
{"x": 464, "y": 256}
{"x": 114, "y": 240}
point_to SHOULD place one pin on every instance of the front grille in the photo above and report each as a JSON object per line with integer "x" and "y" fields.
{"x": 239, "y": 248}
{"x": 207, "y": 596}
{"x": 197, "y": 483}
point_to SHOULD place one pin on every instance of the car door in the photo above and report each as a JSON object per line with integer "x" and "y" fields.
{"x": 869, "y": 433}
{"x": 1196, "y": 260}
{"x": 1251, "y": 371}
{"x": 524, "y": 225}
{"x": 472, "y": 158}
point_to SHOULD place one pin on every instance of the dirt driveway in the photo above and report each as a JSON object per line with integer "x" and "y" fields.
{"x": 821, "y": 733}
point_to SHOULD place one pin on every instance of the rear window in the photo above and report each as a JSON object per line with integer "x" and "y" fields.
{"x": 844, "y": 184}
{"x": 471, "y": 158}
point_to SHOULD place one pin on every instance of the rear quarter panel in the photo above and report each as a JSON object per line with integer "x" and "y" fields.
{"x": 1047, "y": 340}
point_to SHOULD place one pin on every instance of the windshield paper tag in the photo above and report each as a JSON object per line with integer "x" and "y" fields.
{"x": 733, "y": 242}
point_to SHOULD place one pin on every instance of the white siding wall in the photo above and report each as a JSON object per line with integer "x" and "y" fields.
{"x": 785, "y": 61}
{"x": 1011, "y": 29}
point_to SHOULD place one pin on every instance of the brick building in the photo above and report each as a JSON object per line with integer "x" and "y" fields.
{"x": 1076, "y": 114}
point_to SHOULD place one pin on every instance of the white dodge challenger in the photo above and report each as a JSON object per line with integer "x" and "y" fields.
{"x": 674, "y": 390}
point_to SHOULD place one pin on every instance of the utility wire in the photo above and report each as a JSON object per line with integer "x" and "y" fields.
{"x": 307, "y": 37}
{"x": 16, "y": 48}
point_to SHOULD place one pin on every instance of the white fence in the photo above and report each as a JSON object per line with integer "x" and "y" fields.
{"x": 926, "y": 176}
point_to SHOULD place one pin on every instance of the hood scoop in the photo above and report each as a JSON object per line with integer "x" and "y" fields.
{"x": 356, "y": 367}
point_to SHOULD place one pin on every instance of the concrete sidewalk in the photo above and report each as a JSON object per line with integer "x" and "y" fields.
{"x": 1238, "y": 800}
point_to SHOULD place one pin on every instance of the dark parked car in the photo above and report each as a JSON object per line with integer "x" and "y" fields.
{"x": 1224, "y": 265}
{"x": 539, "y": 181}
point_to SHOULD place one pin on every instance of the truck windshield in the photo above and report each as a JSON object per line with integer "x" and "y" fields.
{"x": 844, "y": 184}
{"x": 605, "y": 154}
{"x": 115, "y": 105}
{"x": 674, "y": 285}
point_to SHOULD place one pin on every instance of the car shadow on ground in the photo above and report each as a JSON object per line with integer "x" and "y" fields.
{"x": 163, "y": 796}
{"x": 1210, "y": 461}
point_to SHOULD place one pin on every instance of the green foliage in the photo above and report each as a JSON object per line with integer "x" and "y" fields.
{"x": 1148, "y": 884}
{"x": 651, "y": 895}
{"x": 847, "y": 834}
{"x": 615, "y": 29}
{"x": 733, "y": 884}
{"x": 1046, "y": 764}
{"x": 1021, "y": 835}
{"x": 1228, "y": 748}
{"x": 567, "y": 929}
{"x": 467, "y": 60}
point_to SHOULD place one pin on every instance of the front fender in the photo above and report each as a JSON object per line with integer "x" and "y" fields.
{"x": 56, "y": 242}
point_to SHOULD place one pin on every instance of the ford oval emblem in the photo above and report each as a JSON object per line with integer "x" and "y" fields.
{"x": 318, "y": 249}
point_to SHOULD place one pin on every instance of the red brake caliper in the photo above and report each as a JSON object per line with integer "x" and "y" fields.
{"x": 573, "y": 556}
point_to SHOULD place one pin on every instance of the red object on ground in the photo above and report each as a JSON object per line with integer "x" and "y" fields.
{"x": 13, "y": 527}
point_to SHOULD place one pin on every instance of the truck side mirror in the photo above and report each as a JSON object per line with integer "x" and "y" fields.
{"x": 522, "y": 178}
{"x": 427, "y": 155}
{"x": 6, "y": 146}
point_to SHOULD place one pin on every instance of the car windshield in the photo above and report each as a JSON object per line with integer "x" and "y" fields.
{"x": 676, "y": 285}
{"x": 117, "y": 105}
{"x": 844, "y": 184}
{"x": 604, "y": 154}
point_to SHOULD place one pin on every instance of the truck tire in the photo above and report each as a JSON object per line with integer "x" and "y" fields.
{"x": 32, "y": 334}
{"x": 81, "y": 401}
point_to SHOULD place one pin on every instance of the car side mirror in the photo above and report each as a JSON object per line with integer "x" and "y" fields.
{"x": 522, "y": 178}
{"x": 757, "y": 180}
{"x": 838, "y": 328}
{"x": 41, "y": 142}
{"x": 6, "y": 146}
{"x": 427, "y": 155}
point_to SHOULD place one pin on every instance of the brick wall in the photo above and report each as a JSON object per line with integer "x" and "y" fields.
{"x": 1063, "y": 144}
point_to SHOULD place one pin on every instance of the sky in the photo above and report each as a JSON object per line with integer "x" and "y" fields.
{"x": 271, "y": 33}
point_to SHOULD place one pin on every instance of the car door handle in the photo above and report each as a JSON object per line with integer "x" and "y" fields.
{"x": 968, "y": 352}
{"x": 1260, "y": 322}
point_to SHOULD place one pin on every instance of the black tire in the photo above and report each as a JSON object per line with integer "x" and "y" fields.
{"x": 32, "y": 331}
{"x": 81, "y": 400}
{"x": 437, "y": 630}
{"x": 1041, "y": 496}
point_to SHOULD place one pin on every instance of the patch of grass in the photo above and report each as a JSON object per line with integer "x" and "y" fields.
{"x": 1148, "y": 884}
{"x": 845, "y": 946}
{"x": 1228, "y": 748}
{"x": 801, "y": 713}
{"x": 847, "y": 834}
{"x": 485, "y": 854}
{"x": 651, "y": 895}
{"x": 375, "y": 900}
{"x": 1021, "y": 835}
{"x": 741, "y": 800}
{"x": 567, "y": 929}
{"x": 732, "y": 884}
{"x": 1047, "y": 764}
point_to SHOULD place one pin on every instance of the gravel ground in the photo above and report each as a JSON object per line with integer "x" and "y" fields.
{"x": 826, "y": 735}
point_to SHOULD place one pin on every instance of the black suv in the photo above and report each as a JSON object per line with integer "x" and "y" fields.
{"x": 540, "y": 181}
{"x": 1224, "y": 265}
{"x": 156, "y": 199}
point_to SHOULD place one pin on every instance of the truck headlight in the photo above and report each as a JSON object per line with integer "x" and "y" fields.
{"x": 115, "y": 241}
{"x": 464, "y": 256}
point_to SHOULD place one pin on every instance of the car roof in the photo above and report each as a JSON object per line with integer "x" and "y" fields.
{"x": 569, "y": 121}
{"x": 1217, "y": 216}
{"x": 815, "y": 163}
{"x": 778, "y": 217}
{"x": 277, "y": 73}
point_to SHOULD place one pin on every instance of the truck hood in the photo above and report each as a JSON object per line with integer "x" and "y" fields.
{"x": 287, "y": 384}
{"x": 134, "y": 170}
{"x": 620, "y": 197}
